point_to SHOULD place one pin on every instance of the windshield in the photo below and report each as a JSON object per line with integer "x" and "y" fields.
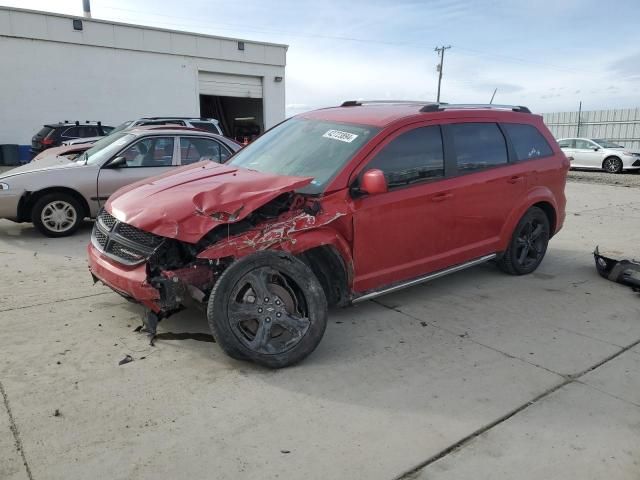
{"x": 305, "y": 148}
{"x": 105, "y": 148}
{"x": 606, "y": 144}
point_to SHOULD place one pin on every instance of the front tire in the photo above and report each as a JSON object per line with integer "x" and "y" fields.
{"x": 269, "y": 308}
{"x": 528, "y": 244}
{"x": 612, "y": 165}
{"x": 57, "y": 215}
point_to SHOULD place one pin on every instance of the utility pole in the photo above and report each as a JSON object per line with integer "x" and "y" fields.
{"x": 440, "y": 50}
{"x": 579, "y": 118}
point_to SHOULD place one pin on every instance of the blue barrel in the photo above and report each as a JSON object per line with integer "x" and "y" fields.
{"x": 24, "y": 153}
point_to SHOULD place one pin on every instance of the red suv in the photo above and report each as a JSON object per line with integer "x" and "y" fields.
{"x": 333, "y": 207}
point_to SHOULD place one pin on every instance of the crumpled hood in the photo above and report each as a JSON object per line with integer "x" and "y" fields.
{"x": 188, "y": 202}
{"x": 48, "y": 163}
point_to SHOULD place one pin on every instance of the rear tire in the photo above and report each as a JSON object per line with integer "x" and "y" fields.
{"x": 268, "y": 307}
{"x": 57, "y": 214}
{"x": 612, "y": 165}
{"x": 528, "y": 244}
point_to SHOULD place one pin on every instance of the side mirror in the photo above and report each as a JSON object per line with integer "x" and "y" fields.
{"x": 373, "y": 182}
{"x": 595, "y": 149}
{"x": 117, "y": 162}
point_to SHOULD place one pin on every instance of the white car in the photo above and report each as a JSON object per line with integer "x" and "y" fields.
{"x": 599, "y": 154}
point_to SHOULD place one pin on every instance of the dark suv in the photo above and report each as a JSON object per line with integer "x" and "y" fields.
{"x": 333, "y": 207}
{"x": 53, "y": 134}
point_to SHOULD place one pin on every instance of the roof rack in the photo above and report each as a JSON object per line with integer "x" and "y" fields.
{"x": 439, "y": 107}
{"x": 358, "y": 103}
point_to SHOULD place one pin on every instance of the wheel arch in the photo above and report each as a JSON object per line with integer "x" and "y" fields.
{"x": 540, "y": 197}
{"x": 611, "y": 156}
{"x": 30, "y": 198}
{"x": 322, "y": 249}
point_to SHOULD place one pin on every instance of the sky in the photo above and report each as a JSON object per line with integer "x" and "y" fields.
{"x": 546, "y": 54}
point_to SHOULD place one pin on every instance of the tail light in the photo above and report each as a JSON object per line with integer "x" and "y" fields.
{"x": 48, "y": 141}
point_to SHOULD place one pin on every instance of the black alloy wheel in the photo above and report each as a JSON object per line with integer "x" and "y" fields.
{"x": 268, "y": 307}
{"x": 528, "y": 243}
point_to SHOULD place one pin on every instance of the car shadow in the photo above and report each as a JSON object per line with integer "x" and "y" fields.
{"x": 25, "y": 236}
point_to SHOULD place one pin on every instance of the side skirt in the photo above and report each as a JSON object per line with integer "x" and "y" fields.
{"x": 423, "y": 279}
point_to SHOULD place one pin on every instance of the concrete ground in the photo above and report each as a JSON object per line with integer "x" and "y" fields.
{"x": 476, "y": 375}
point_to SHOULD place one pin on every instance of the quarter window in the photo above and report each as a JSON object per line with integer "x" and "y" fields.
{"x": 412, "y": 156}
{"x": 150, "y": 152}
{"x": 527, "y": 141}
{"x": 478, "y": 146}
{"x": 196, "y": 149}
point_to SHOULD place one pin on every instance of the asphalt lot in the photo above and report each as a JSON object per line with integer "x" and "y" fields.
{"x": 476, "y": 375}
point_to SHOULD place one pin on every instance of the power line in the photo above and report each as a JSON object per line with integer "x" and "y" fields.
{"x": 250, "y": 28}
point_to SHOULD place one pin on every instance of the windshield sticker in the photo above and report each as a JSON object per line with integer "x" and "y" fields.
{"x": 340, "y": 135}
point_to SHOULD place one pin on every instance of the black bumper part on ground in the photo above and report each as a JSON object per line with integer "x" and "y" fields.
{"x": 626, "y": 272}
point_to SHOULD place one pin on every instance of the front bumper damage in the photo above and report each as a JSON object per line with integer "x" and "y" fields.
{"x": 626, "y": 272}
{"x": 162, "y": 295}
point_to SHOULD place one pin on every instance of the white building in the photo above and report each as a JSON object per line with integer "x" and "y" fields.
{"x": 58, "y": 67}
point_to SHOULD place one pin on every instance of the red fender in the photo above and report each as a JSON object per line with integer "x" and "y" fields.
{"x": 536, "y": 195}
{"x": 289, "y": 239}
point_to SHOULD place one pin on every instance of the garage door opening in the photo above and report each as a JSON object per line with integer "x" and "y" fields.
{"x": 240, "y": 118}
{"x": 235, "y": 101}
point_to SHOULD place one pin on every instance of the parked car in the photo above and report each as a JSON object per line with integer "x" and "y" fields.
{"x": 333, "y": 207}
{"x": 54, "y": 134}
{"x": 119, "y": 128}
{"x": 599, "y": 154}
{"x": 207, "y": 124}
{"x": 56, "y": 193}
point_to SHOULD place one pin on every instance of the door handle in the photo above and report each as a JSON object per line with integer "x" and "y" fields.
{"x": 516, "y": 179}
{"x": 439, "y": 197}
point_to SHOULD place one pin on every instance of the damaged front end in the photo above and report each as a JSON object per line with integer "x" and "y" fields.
{"x": 626, "y": 272}
{"x": 167, "y": 274}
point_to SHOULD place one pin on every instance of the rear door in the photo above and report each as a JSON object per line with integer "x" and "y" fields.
{"x": 486, "y": 186}
{"x": 145, "y": 158}
{"x": 568, "y": 147}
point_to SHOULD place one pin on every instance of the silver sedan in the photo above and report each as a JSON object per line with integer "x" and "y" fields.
{"x": 56, "y": 193}
{"x": 599, "y": 154}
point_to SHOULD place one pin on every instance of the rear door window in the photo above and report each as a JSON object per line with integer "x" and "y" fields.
{"x": 584, "y": 144}
{"x": 527, "y": 141}
{"x": 411, "y": 157}
{"x": 194, "y": 150}
{"x": 569, "y": 143}
{"x": 71, "y": 132}
{"x": 89, "y": 132}
{"x": 478, "y": 146}
{"x": 150, "y": 152}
